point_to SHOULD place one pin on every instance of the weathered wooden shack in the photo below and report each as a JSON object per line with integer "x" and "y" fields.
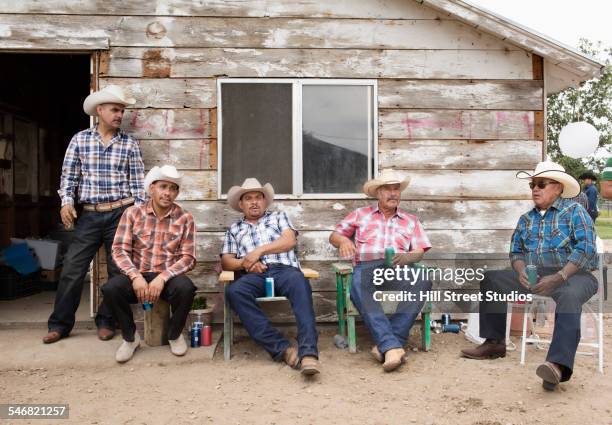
{"x": 293, "y": 91}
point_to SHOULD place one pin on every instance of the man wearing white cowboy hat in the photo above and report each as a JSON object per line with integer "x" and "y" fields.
{"x": 364, "y": 235}
{"x": 103, "y": 171}
{"x": 261, "y": 245}
{"x": 154, "y": 247}
{"x": 556, "y": 236}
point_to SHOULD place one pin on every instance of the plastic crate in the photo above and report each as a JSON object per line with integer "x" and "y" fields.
{"x": 13, "y": 285}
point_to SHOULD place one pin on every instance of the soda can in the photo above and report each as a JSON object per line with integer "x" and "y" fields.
{"x": 532, "y": 274}
{"x": 206, "y": 336}
{"x": 389, "y": 253}
{"x": 147, "y": 306}
{"x": 196, "y": 334}
{"x": 451, "y": 327}
{"x": 269, "y": 287}
{"x": 446, "y": 319}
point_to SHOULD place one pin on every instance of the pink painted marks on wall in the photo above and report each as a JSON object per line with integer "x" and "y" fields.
{"x": 528, "y": 121}
{"x": 413, "y": 124}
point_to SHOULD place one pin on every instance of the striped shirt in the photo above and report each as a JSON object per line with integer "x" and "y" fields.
{"x": 564, "y": 234}
{"x": 373, "y": 233}
{"x": 243, "y": 237}
{"x": 102, "y": 173}
{"x": 147, "y": 243}
{"x": 607, "y": 172}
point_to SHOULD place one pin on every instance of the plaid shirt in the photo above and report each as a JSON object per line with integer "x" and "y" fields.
{"x": 146, "y": 243}
{"x": 565, "y": 233}
{"x": 243, "y": 237}
{"x": 102, "y": 173}
{"x": 372, "y": 233}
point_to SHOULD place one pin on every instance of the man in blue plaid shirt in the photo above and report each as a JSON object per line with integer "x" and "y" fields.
{"x": 556, "y": 236}
{"x": 261, "y": 245}
{"x": 104, "y": 172}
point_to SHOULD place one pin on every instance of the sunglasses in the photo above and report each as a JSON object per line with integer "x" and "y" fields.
{"x": 540, "y": 184}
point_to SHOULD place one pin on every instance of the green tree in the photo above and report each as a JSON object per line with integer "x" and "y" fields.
{"x": 590, "y": 102}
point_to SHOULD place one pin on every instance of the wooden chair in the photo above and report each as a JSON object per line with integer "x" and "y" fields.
{"x": 226, "y": 278}
{"x": 347, "y": 312}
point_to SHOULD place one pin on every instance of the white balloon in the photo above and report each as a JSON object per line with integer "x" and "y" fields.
{"x": 578, "y": 139}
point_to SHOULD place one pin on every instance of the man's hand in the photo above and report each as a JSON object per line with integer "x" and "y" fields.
{"x": 547, "y": 284}
{"x": 347, "y": 249}
{"x": 156, "y": 286}
{"x": 68, "y": 214}
{"x": 250, "y": 259}
{"x": 258, "y": 267}
{"x": 405, "y": 258}
{"x": 141, "y": 289}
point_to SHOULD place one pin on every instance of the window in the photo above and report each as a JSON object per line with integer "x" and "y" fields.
{"x": 308, "y": 138}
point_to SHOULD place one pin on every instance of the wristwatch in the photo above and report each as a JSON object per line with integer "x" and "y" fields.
{"x": 562, "y": 274}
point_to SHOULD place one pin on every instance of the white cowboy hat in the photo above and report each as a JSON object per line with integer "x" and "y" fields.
{"x": 385, "y": 177}
{"x": 166, "y": 173}
{"x": 249, "y": 185}
{"x": 109, "y": 94}
{"x": 553, "y": 171}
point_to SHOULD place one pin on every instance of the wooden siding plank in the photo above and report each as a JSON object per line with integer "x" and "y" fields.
{"x": 198, "y": 185}
{"x": 185, "y": 154}
{"x": 169, "y": 123}
{"x": 274, "y": 33}
{"x": 216, "y": 216}
{"x": 459, "y": 154}
{"x": 516, "y": 95}
{"x": 314, "y": 245}
{"x": 446, "y": 124}
{"x": 380, "y": 9}
{"x": 168, "y": 93}
{"x": 316, "y": 63}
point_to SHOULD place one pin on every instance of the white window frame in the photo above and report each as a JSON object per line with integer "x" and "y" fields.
{"x": 297, "y": 162}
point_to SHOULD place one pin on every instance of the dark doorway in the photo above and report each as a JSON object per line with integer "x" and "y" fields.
{"x": 41, "y": 97}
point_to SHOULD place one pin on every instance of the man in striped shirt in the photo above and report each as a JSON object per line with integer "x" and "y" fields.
{"x": 364, "y": 235}
{"x": 154, "y": 247}
{"x": 103, "y": 171}
{"x": 261, "y": 245}
{"x": 557, "y": 236}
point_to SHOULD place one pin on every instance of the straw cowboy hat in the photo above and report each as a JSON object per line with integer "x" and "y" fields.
{"x": 553, "y": 171}
{"x": 386, "y": 177}
{"x": 249, "y": 185}
{"x": 166, "y": 173}
{"x": 109, "y": 94}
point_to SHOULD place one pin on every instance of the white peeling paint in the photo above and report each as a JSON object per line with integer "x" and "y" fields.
{"x": 338, "y": 206}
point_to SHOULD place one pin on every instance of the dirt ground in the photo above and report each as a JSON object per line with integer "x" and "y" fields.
{"x": 437, "y": 387}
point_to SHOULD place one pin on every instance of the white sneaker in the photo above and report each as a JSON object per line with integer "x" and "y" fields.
{"x": 178, "y": 346}
{"x": 126, "y": 349}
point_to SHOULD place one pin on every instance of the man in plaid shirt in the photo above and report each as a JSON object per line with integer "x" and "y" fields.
{"x": 103, "y": 170}
{"x": 261, "y": 245}
{"x": 557, "y": 236}
{"x": 154, "y": 247}
{"x": 364, "y": 235}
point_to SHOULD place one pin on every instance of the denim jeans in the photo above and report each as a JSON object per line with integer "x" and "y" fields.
{"x": 288, "y": 282}
{"x": 91, "y": 230}
{"x": 569, "y": 297}
{"x": 387, "y": 332}
{"x": 178, "y": 292}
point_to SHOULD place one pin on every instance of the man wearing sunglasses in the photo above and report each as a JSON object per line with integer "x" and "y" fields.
{"x": 557, "y": 236}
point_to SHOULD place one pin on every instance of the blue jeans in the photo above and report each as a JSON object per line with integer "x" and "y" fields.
{"x": 91, "y": 230}
{"x": 288, "y": 282}
{"x": 392, "y": 332}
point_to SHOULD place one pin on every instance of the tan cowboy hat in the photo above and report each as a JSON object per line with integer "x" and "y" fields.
{"x": 385, "y": 177}
{"x": 553, "y": 171}
{"x": 109, "y": 94}
{"x": 166, "y": 173}
{"x": 250, "y": 185}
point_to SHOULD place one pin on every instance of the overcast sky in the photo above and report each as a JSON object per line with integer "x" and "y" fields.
{"x": 563, "y": 20}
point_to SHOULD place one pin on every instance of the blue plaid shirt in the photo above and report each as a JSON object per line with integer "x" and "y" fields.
{"x": 243, "y": 237}
{"x": 564, "y": 234}
{"x": 102, "y": 173}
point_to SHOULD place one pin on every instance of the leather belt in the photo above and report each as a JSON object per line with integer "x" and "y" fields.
{"x": 108, "y": 206}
